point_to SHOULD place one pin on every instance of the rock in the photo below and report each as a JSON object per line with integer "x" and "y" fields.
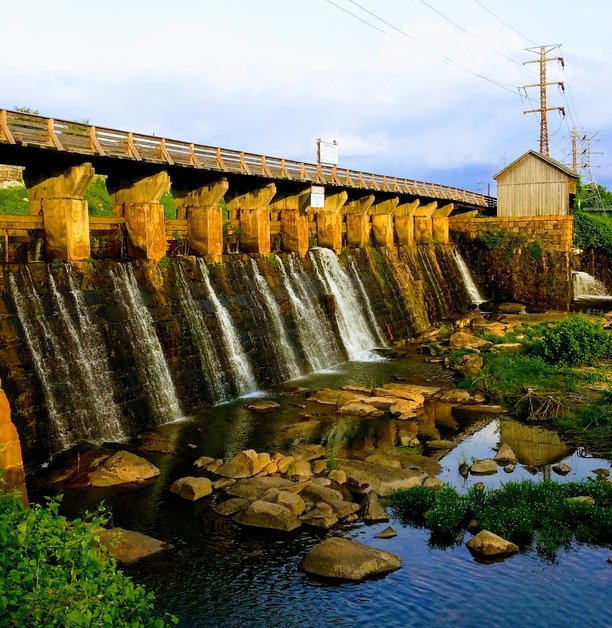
{"x": 283, "y": 463}
{"x": 152, "y": 441}
{"x": 491, "y": 328}
{"x": 505, "y": 455}
{"x": 357, "y": 408}
{"x": 511, "y": 308}
{"x": 372, "y": 510}
{"x": 267, "y": 515}
{"x": 602, "y": 473}
{"x": 192, "y": 488}
{"x": 433, "y": 483}
{"x": 486, "y": 543}
{"x": 385, "y": 458}
{"x": 610, "y": 560}
{"x": 404, "y": 408}
{"x": 471, "y": 364}
{"x": 407, "y": 438}
{"x": 455, "y": 396}
{"x": 380, "y": 403}
{"x": 486, "y": 466}
{"x": 509, "y": 468}
{"x": 411, "y": 392}
{"x": 244, "y": 464}
{"x": 294, "y": 503}
{"x": 321, "y": 516}
{"x": 128, "y": 546}
{"x": 263, "y": 406}
{"x": 508, "y": 347}
{"x": 309, "y": 452}
{"x": 300, "y": 468}
{"x": 387, "y": 533}
{"x": 348, "y": 560}
{"x": 222, "y": 483}
{"x": 319, "y": 466}
{"x": 203, "y": 462}
{"x": 438, "y": 443}
{"x": 333, "y": 397}
{"x": 477, "y": 412}
{"x": 561, "y": 468}
{"x": 343, "y": 509}
{"x": 473, "y": 526}
{"x": 231, "y": 506}
{"x": 321, "y": 481}
{"x": 464, "y": 469}
{"x": 121, "y": 468}
{"x": 587, "y": 500}
{"x": 315, "y": 493}
{"x": 270, "y": 469}
{"x": 214, "y": 466}
{"x": 337, "y": 475}
{"x": 254, "y": 489}
{"x": 382, "y": 479}
{"x": 461, "y": 340}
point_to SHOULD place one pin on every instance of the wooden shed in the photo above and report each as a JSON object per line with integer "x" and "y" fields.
{"x": 535, "y": 185}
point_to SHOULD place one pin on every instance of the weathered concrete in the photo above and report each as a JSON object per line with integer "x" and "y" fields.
{"x": 294, "y": 219}
{"x": 440, "y": 224}
{"x": 11, "y": 462}
{"x": 423, "y": 222}
{"x": 57, "y": 194}
{"x": 382, "y": 221}
{"x": 358, "y": 220}
{"x": 137, "y": 199}
{"x": 404, "y": 222}
{"x": 329, "y": 221}
{"x": 251, "y": 207}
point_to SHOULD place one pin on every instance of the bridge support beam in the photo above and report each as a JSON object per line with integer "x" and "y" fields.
{"x": 329, "y": 221}
{"x": 440, "y": 223}
{"x": 294, "y": 220}
{"x": 382, "y": 221}
{"x": 58, "y": 196}
{"x": 254, "y": 216}
{"x": 137, "y": 199}
{"x": 404, "y": 222}
{"x": 199, "y": 204}
{"x": 423, "y": 223}
{"x": 358, "y": 220}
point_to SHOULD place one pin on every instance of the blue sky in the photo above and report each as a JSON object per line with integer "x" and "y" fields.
{"x": 272, "y": 76}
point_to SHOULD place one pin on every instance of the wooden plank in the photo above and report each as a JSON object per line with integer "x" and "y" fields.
{"x": 53, "y": 139}
{"x": 220, "y": 162}
{"x": 245, "y": 169}
{"x": 95, "y": 145}
{"x": 4, "y": 127}
{"x": 132, "y": 147}
{"x": 164, "y": 152}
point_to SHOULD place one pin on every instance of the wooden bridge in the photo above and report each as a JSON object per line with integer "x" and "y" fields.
{"x": 263, "y": 194}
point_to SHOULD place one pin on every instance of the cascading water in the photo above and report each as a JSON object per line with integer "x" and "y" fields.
{"x": 71, "y": 362}
{"x": 314, "y": 331}
{"x": 357, "y": 337}
{"x": 153, "y": 372}
{"x": 468, "y": 280}
{"x": 240, "y": 367}
{"x": 282, "y": 346}
{"x": 439, "y": 299}
{"x": 212, "y": 371}
{"x": 368, "y": 306}
{"x": 588, "y": 287}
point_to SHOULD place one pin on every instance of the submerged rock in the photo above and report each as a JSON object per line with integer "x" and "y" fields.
{"x": 265, "y": 405}
{"x": 387, "y": 533}
{"x": 128, "y": 546}
{"x": 561, "y": 468}
{"x": 487, "y": 543}
{"x": 268, "y": 515}
{"x": 348, "y": 560}
{"x": 486, "y": 466}
{"x": 364, "y": 476}
{"x": 192, "y": 488}
{"x": 231, "y": 506}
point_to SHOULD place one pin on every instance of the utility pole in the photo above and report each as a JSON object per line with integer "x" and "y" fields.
{"x": 574, "y": 165}
{"x": 543, "y": 51}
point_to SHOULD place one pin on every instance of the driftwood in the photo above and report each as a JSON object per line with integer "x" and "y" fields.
{"x": 540, "y": 407}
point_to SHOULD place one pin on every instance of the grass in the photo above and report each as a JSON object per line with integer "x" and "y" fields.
{"x": 14, "y": 200}
{"x": 532, "y": 515}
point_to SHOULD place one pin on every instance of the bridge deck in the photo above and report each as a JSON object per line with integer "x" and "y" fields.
{"x": 30, "y": 130}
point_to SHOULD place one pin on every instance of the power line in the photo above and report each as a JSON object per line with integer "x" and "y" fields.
{"x": 504, "y": 21}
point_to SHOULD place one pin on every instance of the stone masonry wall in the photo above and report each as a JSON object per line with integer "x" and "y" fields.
{"x": 11, "y": 173}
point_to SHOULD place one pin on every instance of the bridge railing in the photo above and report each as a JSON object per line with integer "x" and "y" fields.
{"x": 76, "y": 137}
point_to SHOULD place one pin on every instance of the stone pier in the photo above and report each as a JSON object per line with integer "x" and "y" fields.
{"x": 293, "y": 208}
{"x": 358, "y": 220}
{"x": 404, "y": 222}
{"x": 423, "y": 222}
{"x": 137, "y": 199}
{"x": 329, "y": 220}
{"x": 382, "y": 221}
{"x": 440, "y": 224}
{"x": 251, "y": 205}
{"x": 57, "y": 194}
{"x": 198, "y": 203}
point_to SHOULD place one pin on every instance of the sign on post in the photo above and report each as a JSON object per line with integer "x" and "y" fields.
{"x": 327, "y": 153}
{"x": 317, "y": 196}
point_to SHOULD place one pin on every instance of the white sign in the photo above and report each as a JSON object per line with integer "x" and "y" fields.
{"x": 317, "y": 196}
{"x": 327, "y": 153}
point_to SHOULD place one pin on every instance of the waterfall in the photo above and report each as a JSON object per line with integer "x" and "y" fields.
{"x": 468, "y": 280}
{"x": 357, "y": 337}
{"x": 282, "y": 346}
{"x": 71, "y": 361}
{"x": 211, "y": 368}
{"x": 587, "y": 287}
{"x": 240, "y": 367}
{"x": 314, "y": 331}
{"x": 152, "y": 369}
{"x": 438, "y": 296}
{"x": 366, "y": 301}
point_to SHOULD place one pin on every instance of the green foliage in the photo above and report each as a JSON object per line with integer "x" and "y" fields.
{"x": 34, "y": 112}
{"x": 224, "y": 210}
{"x": 56, "y": 265}
{"x": 575, "y": 341}
{"x": 273, "y": 261}
{"x": 164, "y": 263}
{"x": 55, "y": 573}
{"x": 14, "y": 200}
{"x": 593, "y": 232}
{"x": 167, "y": 201}
{"x": 491, "y": 240}
{"x": 97, "y": 197}
{"x": 522, "y": 512}
{"x": 312, "y": 239}
{"x": 535, "y": 250}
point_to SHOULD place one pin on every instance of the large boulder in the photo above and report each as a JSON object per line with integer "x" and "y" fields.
{"x": 254, "y": 489}
{"x": 372, "y": 509}
{"x": 461, "y": 340}
{"x": 404, "y": 408}
{"x": 505, "y": 455}
{"x": 128, "y": 546}
{"x": 348, "y": 560}
{"x": 363, "y": 476}
{"x": 358, "y": 408}
{"x": 486, "y": 543}
{"x": 268, "y": 515}
{"x": 471, "y": 364}
{"x": 321, "y": 516}
{"x": 245, "y": 464}
{"x": 486, "y": 466}
{"x": 122, "y": 467}
{"x": 407, "y": 391}
{"x": 192, "y": 488}
{"x": 333, "y": 397}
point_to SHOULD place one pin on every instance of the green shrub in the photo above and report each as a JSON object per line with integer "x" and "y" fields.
{"x": 167, "y": 201}
{"x": 593, "y": 232}
{"x": 97, "y": 197}
{"x": 14, "y": 200}
{"x": 575, "y": 341}
{"x": 446, "y": 516}
{"x": 54, "y": 572}
{"x": 411, "y": 504}
{"x": 491, "y": 240}
{"x": 535, "y": 250}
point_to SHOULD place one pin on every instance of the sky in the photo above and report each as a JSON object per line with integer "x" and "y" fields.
{"x": 425, "y": 90}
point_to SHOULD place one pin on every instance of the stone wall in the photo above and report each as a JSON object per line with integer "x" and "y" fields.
{"x": 530, "y": 263}
{"x": 11, "y": 463}
{"x": 596, "y": 263}
{"x": 11, "y": 173}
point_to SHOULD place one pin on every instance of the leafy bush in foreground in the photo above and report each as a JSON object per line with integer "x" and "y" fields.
{"x": 54, "y": 572}
{"x": 522, "y": 512}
